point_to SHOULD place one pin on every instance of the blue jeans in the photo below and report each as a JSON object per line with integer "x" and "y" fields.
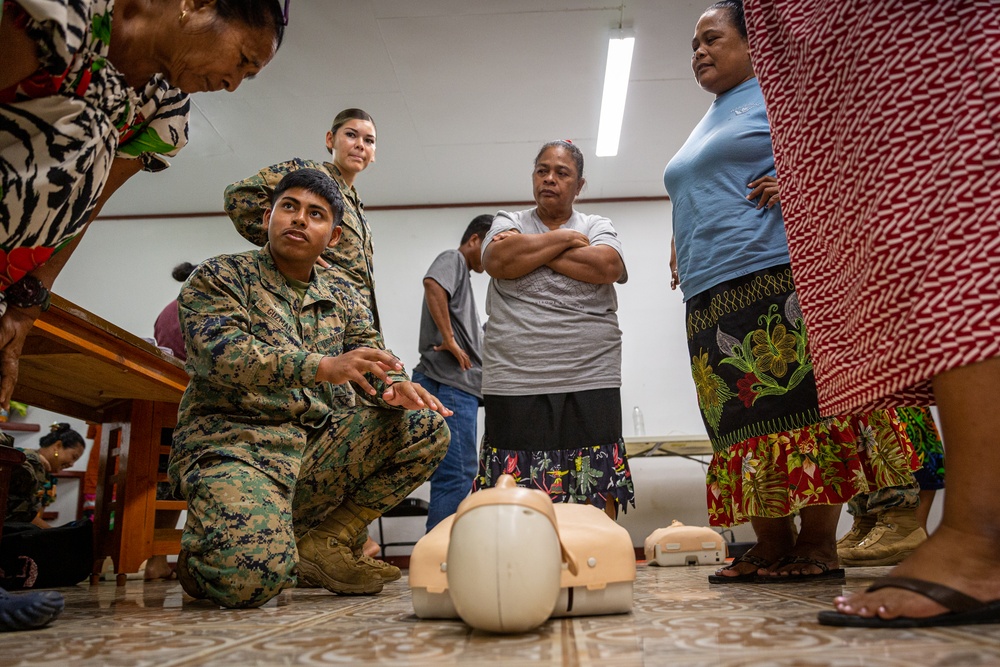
{"x": 452, "y": 481}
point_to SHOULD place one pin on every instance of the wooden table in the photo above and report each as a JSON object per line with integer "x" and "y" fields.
{"x": 686, "y": 446}
{"x": 79, "y": 365}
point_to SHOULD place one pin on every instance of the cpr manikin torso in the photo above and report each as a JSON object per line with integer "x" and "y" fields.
{"x": 509, "y": 559}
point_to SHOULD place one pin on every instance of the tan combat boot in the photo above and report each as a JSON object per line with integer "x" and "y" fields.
{"x": 862, "y": 526}
{"x": 385, "y": 570}
{"x": 895, "y": 535}
{"x": 326, "y": 558}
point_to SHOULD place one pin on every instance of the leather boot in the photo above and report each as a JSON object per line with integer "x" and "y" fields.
{"x": 895, "y": 535}
{"x": 383, "y": 569}
{"x": 326, "y": 558}
{"x": 862, "y": 526}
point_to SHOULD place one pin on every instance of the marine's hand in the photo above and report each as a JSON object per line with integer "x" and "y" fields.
{"x": 451, "y": 345}
{"x": 14, "y": 327}
{"x": 412, "y": 396}
{"x": 765, "y": 187}
{"x": 352, "y": 367}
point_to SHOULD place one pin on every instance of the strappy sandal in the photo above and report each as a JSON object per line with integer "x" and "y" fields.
{"x": 825, "y": 574}
{"x": 746, "y": 578}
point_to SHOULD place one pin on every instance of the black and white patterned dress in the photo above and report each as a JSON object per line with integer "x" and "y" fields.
{"x": 61, "y": 128}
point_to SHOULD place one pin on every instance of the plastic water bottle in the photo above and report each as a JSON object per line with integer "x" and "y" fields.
{"x": 638, "y": 425}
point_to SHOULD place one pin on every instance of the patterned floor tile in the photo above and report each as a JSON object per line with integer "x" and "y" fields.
{"x": 678, "y": 620}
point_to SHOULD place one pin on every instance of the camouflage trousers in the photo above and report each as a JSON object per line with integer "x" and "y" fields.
{"x": 242, "y": 524}
{"x": 887, "y": 498}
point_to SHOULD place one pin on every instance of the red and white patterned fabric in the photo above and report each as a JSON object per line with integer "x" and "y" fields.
{"x": 885, "y": 119}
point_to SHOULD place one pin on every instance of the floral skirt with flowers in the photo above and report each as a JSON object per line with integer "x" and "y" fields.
{"x": 926, "y": 441}
{"x": 774, "y": 454}
{"x": 595, "y": 475}
{"x": 826, "y": 463}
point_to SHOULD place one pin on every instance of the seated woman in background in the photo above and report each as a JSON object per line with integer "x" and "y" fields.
{"x": 33, "y": 554}
{"x": 167, "y": 333}
{"x": 32, "y": 486}
{"x": 552, "y": 346}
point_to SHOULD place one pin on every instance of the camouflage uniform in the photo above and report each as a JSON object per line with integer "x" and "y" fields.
{"x": 350, "y": 259}
{"x": 261, "y": 452}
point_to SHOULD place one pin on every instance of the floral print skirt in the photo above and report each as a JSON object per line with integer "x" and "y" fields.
{"x": 596, "y": 475}
{"x": 923, "y": 433}
{"x": 826, "y": 463}
{"x": 774, "y": 454}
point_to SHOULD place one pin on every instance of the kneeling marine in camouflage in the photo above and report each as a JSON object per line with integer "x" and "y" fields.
{"x": 281, "y": 469}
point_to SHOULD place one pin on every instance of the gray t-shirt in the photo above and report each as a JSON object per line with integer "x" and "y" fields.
{"x": 451, "y": 272}
{"x": 549, "y": 333}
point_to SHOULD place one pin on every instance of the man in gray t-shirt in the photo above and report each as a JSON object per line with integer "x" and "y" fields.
{"x": 451, "y": 361}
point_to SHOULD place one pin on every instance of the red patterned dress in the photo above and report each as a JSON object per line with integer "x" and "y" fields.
{"x": 889, "y": 163}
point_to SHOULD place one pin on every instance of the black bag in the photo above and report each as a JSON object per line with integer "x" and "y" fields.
{"x": 33, "y": 557}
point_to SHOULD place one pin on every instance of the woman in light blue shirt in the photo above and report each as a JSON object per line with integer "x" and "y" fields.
{"x": 774, "y": 454}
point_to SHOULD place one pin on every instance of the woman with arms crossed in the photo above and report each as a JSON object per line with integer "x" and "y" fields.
{"x": 552, "y": 346}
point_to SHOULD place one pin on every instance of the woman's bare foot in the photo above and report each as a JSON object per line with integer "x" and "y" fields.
{"x": 803, "y": 561}
{"x": 157, "y": 567}
{"x": 970, "y": 568}
{"x": 371, "y": 548}
{"x": 775, "y": 538}
{"x": 961, "y": 554}
{"x": 815, "y": 550}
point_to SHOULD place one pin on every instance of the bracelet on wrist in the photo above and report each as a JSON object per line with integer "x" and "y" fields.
{"x": 27, "y": 292}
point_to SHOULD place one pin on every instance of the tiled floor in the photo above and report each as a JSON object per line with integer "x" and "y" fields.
{"x": 678, "y": 620}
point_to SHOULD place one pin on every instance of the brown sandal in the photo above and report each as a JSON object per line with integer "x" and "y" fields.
{"x": 825, "y": 574}
{"x": 746, "y": 578}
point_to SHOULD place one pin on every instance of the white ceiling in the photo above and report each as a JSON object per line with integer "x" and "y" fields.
{"x": 463, "y": 93}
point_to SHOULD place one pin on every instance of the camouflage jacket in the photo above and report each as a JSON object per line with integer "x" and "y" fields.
{"x": 351, "y": 258}
{"x": 30, "y": 489}
{"x": 253, "y": 350}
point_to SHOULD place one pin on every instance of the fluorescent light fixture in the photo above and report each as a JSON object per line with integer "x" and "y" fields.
{"x": 613, "y": 100}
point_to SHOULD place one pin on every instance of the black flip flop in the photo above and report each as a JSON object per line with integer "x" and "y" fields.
{"x": 827, "y": 574}
{"x": 963, "y": 609}
{"x": 748, "y": 578}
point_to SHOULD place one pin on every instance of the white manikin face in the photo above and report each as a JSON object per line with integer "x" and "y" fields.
{"x": 504, "y": 567}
